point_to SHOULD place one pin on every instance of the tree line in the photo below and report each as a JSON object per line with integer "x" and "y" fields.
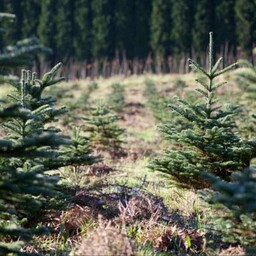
{"x": 99, "y": 29}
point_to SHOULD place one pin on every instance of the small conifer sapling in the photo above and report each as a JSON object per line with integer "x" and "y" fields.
{"x": 210, "y": 142}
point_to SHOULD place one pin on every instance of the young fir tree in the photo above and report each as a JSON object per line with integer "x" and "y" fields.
{"x": 234, "y": 208}
{"x": 157, "y": 104}
{"x": 23, "y": 190}
{"x": 116, "y": 99}
{"x": 246, "y": 78}
{"x": 32, "y": 146}
{"x": 210, "y": 141}
{"x": 24, "y": 186}
{"x": 104, "y": 132}
{"x": 29, "y": 93}
{"x": 79, "y": 152}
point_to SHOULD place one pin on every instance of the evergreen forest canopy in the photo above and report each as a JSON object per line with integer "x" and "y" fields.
{"x": 99, "y": 29}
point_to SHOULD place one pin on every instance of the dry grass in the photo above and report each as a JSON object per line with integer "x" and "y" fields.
{"x": 105, "y": 240}
{"x": 140, "y": 208}
{"x": 172, "y": 238}
{"x": 76, "y": 217}
{"x": 233, "y": 251}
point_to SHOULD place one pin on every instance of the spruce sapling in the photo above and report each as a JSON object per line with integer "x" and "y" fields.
{"x": 24, "y": 185}
{"x": 234, "y": 207}
{"x": 210, "y": 141}
{"x": 104, "y": 132}
{"x": 116, "y": 99}
{"x": 156, "y": 103}
{"x": 29, "y": 94}
{"x": 29, "y": 150}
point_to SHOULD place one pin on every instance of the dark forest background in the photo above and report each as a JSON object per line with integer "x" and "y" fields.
{"x": 89, "y": 30}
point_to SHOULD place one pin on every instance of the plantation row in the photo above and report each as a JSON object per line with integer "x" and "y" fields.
{"x": 210, "y": 149}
